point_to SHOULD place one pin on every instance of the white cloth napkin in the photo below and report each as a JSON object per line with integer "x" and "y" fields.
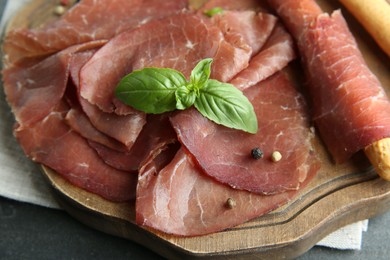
{"x": 21, "y": 180}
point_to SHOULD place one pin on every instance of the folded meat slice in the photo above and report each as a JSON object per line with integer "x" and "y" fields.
{"x": 253, "y": 28}
{"x": 350, "y": 107}
{"x": 33, "y": 87}
{"x": 274, "y": 56}
{"x": 80, "y": 123}
{"x": 225, "y": 153}
{"x": 123, "y": 128}
{"x": 191, "y": 38}
{"x": 51, "y": 142}
{"x": 88, "y": 20}
{"x": 155, "y": 136}
{"x": 179, "y": 199}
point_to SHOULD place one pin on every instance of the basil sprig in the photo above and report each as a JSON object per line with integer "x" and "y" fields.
{"x": 159, "y": 90}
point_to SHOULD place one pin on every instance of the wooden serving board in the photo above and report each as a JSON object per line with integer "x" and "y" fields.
{"x": 338, "y": 195}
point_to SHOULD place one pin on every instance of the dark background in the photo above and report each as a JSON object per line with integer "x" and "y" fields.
{"x": 33, "y": 232}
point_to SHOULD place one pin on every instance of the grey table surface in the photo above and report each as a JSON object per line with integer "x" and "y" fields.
{"x": 33, "y": 232}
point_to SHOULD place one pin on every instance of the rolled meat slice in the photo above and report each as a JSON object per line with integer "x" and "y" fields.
{"x": 350, "y": 107}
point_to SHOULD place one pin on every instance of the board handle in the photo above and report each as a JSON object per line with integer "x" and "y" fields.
{"x": 379, "y": 155}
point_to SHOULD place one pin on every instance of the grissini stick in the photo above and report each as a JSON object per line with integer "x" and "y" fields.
{"x": 375, "y": 18}
{"x": 379, "y": 155}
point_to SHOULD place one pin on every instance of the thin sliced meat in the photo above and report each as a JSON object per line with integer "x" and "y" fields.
{"x": 88, "y": 20}
{"x": 179, "y": 199}
{"x": 296, "y": 15}
{"x": 123, "y": 128}
{"x": 274, "y": 56}
{"x": 191, "y": 38}
{"x": 225, "y": 153}
{"x": 155, "y": 136}
{"x": 80, "y": 123}
{"x": 52, "y": 143}
{"x": 254, "y": 28}
{"x": 350, "y": 107}
{"x": 27, "y": 84}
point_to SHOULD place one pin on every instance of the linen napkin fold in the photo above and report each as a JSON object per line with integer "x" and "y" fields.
{"x": 21, "y": 180}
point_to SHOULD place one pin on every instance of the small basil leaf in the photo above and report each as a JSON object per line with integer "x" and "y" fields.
{"x": 226, "y": 105}
{"x": 151, "y": 90}
{"x": 201, "y": 73}
{"x": 185, "y": 97}
{"x": 213, "y": 11}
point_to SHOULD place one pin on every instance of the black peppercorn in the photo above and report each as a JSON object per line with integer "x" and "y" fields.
{"x": 257, "y": 153}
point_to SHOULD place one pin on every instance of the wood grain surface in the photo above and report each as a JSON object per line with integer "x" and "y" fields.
{"x": 338, "y": 195}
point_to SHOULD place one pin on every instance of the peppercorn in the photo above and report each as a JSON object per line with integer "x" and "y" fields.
{"x": 276, "y": 156}
{"x": 230, "y": 203}
{"x": 257, "y": 153}
{"x": 59, "y": 10}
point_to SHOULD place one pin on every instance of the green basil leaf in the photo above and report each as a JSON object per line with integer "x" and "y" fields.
{"x": 201, "y": 73}
{"x": 185, "y": 97}
{"x": 151, "y": 90}
{"x": 213, "y": 11}
{"x": 226, "y": 105}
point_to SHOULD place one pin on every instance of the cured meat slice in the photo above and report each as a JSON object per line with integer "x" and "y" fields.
{"x": 191, "y": 38}
{"x": 155, "y": 136}
{"x": 26, "y": 87}
{"x": 274, "y": 56}
{"x": 225, "y": 153}
{"x": 179, "y": 199}
{"x": 296, "y": 15}
{"x": 80, "y": 123}
{"x": 123, "y": 128}
{"x": 350, "y": 107}
{"x": 29, "y": 83}
{"x": 88, "y": 20}
{"x": 254, "y": 28}
{"x": 52, "y": 143}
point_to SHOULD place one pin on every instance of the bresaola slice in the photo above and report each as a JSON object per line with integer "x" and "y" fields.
{"x": 51, "y": 142}
{"x": 254, "y": 28}
{"x": 33, "y": 88}
{"x": 123, "y": 128}
{"x": 87, "y": 21}
{"x": 225, "y": 154}
{"x": 151, "y": 46}
{"x": 275, "y": 55}
{"x": 155, "y": 136}
{"x": 179, "y": 199}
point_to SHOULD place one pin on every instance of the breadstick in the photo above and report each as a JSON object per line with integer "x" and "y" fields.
{"x": 375, "y": 18}
{"x": 379, "y": 155}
